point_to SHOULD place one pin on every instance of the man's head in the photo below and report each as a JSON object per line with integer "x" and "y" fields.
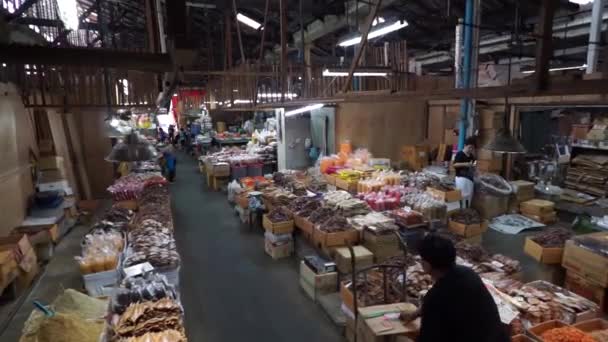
{"x": 469, "y": 145}
{"x": 438, "y": 254}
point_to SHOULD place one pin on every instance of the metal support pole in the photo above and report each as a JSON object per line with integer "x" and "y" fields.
{"x": 161, "y": 27}
{"x": 468, "y": 49}
{"x": 283, "y": 19}
{"x": 595, "y": 36}
{"x": 458, "y": 54}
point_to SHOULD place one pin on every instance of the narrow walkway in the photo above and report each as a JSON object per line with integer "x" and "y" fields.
{"x": 230, "y": 289}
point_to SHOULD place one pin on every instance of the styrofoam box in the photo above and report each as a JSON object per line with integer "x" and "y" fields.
{"x": 101, "y": 284}
{"x": 54, "y": 186}
{"x": 172, "y": 275}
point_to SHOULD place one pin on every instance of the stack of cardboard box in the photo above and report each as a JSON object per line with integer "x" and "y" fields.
{"x": 316, "y": 283}
{"x": 53, "y": 175}
{"x": 416, "y": 157}
{"x": 586, "y": 262}
{"x": 490, "y": 122}
{"x": 522, "y": 191}
{"x": 539, "y": 210}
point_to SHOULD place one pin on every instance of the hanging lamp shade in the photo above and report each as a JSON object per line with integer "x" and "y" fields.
{"x": 504, "y": 143}
{"x": 132, "y": 149}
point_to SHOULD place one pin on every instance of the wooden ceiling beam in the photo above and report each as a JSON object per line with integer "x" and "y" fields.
{"x": 72, "y": 56}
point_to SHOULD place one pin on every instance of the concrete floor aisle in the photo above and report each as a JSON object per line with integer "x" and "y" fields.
{"x": 230, "y": 289}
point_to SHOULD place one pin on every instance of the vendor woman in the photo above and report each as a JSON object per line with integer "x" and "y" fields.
{"x": 464, "y": 163}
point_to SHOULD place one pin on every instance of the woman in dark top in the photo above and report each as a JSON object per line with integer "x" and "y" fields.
{"x": 458, "y": 308}
{"x": 464, "y": 163}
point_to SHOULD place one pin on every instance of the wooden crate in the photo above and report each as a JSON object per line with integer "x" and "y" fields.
{"x": 330, "y": 179}
{"x": 277, "y": 228}
{"x": 542, "y": 254}
{"x": 346, "y": 185}
{"x": 592, "y": 325}
{"x": 220, "y": 182}
{"x": 446, "y": 196}
{"x": 325, "y": 240}
{"x": 537, "y": 207}
{"x": 537, "y": 330}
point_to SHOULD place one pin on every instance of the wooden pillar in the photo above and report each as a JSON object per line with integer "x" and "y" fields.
{"x": 544, "y": 48}
{"x": 151, "y": 26}
{"x": 283, "y": 15}
{"x": 359, "y": 51}
{"x": 228, "y": 40}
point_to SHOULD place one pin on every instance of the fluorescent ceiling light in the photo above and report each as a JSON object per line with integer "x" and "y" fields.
{"x": 398, "y": 25}
{"x": 268, "y": 95}
{"x": 378, "y": 20}
{"x": 581, "y": 2}
{"x": 304, "y": 109}
{"x": 328, "y": 73}
{"x": 248, "y": 21}
{"x": 242, "y": 101}
{"x": 580, "y": 67}
{"x": 68, "y": 13}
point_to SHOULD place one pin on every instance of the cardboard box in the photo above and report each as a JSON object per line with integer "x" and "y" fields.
{"x": 580, "y": 131}
{"x": 50, "y": 176}
{"x": 490, "y": 206}
{"x": 61, "y": 186}
{"x": 220, "y": 182}
{"x": 39, "y": 234}
{"x": 468, "y": 230}
{"x": 317, "y": 284}
{"x": 50, "y": 163}
{"x": 446, "y": 196}
{"x": 548, "y": 218}
{"x": 324, "y": 240}
{"x": 523, "y": 190}
{"x": 585, "y": 262}
{"x": 278, "y": 251}
{"x": 383, "y": 246}
{"x": 489, "y": 119}
{"x": 545, "y": 255}
{"x": 416, "y": 157}
{"x": 375, "y": 328}
{"x": 277, "y": 228}
{"x": 537, "y": 207}
{"x": 363, "y": 258}
{"x": 346, "y": 185}
{"x": 587, "y": 289}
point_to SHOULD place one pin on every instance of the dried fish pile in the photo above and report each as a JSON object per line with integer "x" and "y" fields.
{"x": 346, "y": 204}
{"x": 541, "y": 301}
{"x": 598, "y": 245}
{"x": 421, "y": 180}
{"x": 378, "y": 222}
{"x": 131, "y": 186}
{"x": 553, "y": 237}
{"x": 322, "y": 215}
{"x": 334, "y": 224}
{"x": 154, "y": 204}
{"x": 163, "y": 336}
{"x": 588, "y": 174}
{"x": 149, "y": 287}
{"x": 279, "y": 196}
{"x": 279, "y": 214}
{"x": 118, "y": 216}
{"x": 466, "y": 216}
{"x": 471, "y": 253}
{"x": 141, "y": 318}
{"x": 418, "y": 281}
{"x": 317, "y": 185}
{"x": 304, "y": 206}
{"x": 151, "y": 241}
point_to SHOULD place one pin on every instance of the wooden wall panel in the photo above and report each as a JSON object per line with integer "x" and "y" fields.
{"x": 61, "y": 147}
{"x": 95, "y": 147}
{"x": 383, "y": 128}
{"x": 16, "y": 141}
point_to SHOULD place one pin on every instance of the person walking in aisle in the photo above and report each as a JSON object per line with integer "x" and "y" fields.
{"x": 170, "y": 163}
{"x": 457, "y": 298}
{"x": 464, "y": 163}
{"x": 171, "y": 135}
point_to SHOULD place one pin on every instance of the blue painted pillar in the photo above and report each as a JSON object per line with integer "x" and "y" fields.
{"x": 466, "y": 68}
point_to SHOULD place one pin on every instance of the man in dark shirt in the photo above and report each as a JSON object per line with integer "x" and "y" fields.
{"x": 464, "y": 163}
{"x": 458, "y": 308}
